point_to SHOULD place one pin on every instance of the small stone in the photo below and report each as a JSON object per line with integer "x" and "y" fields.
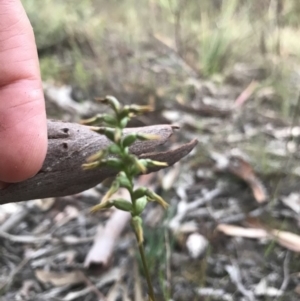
{"x": 196, "y": 245}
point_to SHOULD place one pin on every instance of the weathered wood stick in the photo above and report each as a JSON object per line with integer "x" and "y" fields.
{"x": 69, "y": 144}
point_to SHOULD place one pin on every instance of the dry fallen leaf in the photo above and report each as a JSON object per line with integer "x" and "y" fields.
{"x": 242, "y": 169}
{"x": 27, "y": 287}
{"x": 286, "y": 239}
{"x": 297, "y": 289}
{"x": 60, "y": 278}
{"x": 232, "y": 230}
{"x": 246, "y": 94}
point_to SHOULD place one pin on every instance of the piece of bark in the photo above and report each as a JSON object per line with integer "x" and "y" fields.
{"x": 69, "y": 144}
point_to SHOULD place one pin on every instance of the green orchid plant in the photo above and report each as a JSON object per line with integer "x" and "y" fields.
{"x": 127, "y": 165}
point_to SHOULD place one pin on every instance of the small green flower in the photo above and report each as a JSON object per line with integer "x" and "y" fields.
{"x": 112, "y": 102}
{"x": 152, "y": 163}
{"x": 97, "y": 157}
{"x": 101, "y": 118}
{"x": 96, "y": 119}
{"x": 137, "y": 225}
{"x": 92, "y": 165}
{"x": 113, "y": 189}
{"x": 141, "y": 165}
{"x": 102, "y": 206}
{"x": 156, "y": 198}
{"x": 108, "y": 132}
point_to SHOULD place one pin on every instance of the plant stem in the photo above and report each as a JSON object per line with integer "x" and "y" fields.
{"x": 146, "y": 270}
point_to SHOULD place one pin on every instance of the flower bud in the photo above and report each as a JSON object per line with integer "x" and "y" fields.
{"x": 114, "y": 149}
{"x": 137, "y": 225}
{"x": 139, "y": 192}
{"x": 113, "y": 162}
{"x": 122, "y": 204}
{"x": 110, "y": 120}
{"x": 128, "y": 140}
{"x": 124, "y": 122}
{"x": 124, "y": 181}
{"x": 140, "y": 205}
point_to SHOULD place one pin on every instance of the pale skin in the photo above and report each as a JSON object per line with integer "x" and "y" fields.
{"x": 23, "y": 130}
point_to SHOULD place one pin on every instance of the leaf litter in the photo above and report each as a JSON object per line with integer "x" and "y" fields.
{"x": 214, "y": 251}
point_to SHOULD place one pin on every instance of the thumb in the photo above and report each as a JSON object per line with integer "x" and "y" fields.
{"x": 23, "y": 132}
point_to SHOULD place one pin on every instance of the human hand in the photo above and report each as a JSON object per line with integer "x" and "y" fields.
{"x": 23, "y": 128}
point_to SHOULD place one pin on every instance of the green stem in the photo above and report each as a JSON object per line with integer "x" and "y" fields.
{"x": 140, "y": 244}
{"x": 146, "y": 270}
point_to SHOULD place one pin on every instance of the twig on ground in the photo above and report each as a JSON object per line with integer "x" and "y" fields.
{"x": 14, "y": 273}
{"x": 235, "y": 276}
{"x": 14, "y": 219}
{"x": 94, "y": 289}
{"x": 114, "y": 274}
{"x": 286, "y": 276}
{"x": 184, "y": 207}
{"x": 30, "y": 239}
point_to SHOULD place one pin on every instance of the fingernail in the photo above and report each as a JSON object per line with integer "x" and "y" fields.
{"x": 3, "y": 185}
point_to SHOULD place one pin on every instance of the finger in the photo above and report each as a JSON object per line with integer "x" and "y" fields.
{"x": 23, "y": 133}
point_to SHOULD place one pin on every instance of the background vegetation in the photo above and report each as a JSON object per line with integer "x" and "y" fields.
{"x": 186, "y": 53}
{"x": 94, "y": 43}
